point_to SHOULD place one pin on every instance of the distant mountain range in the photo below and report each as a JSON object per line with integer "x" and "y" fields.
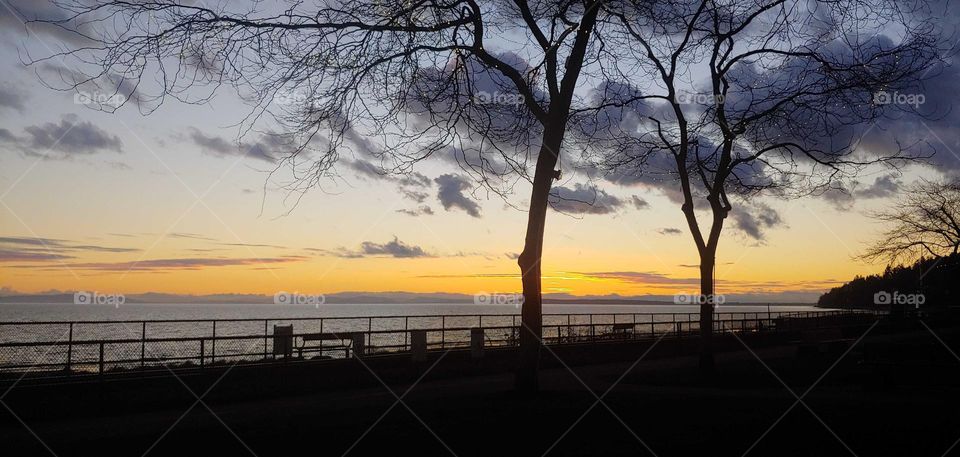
{"x": 59, "y": 297}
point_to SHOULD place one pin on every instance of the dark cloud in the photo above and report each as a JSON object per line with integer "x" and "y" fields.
{"x": 753, "y": 220}
{"x": 72, "y": 136}
{"x": 450, "y": 193}
{"x": 414, "y": 195}
{"x": 365, "y": 169}
{"x": 268, "y": 148}
{"x": 415, "y": 179}
{"x": 67, "y": 138}
{"x": 422, "y": 210}
{"x": 844, "y": 198}
{"x": 395, "y": 248}
{"x": 670, "y": 231}
{"x": 882, "y": 187}
{"x": 408, "y": 182}
{"x": 13, "y": 99}
{"x": 14, "y": 13}
{"x": 638, "y": 202}
{"x": 213, "y": 144}
{"x": 582, "y": 199}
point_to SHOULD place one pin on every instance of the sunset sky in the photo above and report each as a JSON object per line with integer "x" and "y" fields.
{"x": 169, "y": 202}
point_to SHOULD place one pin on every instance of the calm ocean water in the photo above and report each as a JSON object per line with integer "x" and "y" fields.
{"x": 66, "y": 312}
{"x": 305, "y": 319}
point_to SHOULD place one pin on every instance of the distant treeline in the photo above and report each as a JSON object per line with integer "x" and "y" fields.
{"x": 937, "y": 279}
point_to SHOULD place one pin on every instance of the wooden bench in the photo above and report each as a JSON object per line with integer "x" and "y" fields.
{"x": 621, "y": 330}
{"x": 344, "y": 339}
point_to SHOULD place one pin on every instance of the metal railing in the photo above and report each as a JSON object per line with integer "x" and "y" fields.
{"x": 98, "y": 347}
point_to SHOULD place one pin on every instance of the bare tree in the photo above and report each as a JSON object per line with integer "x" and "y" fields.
{"x": 789, "y": 88}
{"x": 416, "y": 75}
{"x": 923, "y": 222}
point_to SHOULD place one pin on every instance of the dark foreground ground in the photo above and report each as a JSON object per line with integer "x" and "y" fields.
{"x": 890, "y": 395}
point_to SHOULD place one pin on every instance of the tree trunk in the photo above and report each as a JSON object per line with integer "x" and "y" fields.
{"x": 707, "y": 263}
{"x": 531, "y": 332}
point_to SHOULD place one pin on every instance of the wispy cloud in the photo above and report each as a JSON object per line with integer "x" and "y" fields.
{"x": 639, "y": 277}
{"x": 422, "y": 210}
{"x": 194, "y": 263}
{"x": 192, "y": 236}
{"x": 27, "y": 249}
{"x": 669, "y": 231}
{"x": 30, "y": 255}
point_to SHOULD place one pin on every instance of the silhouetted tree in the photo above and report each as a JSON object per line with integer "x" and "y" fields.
{"x": 923, "y": 222}
{"x": 418, "y": 75}
{"x": 789, "y": 86}
{"x": 935, "y": 278}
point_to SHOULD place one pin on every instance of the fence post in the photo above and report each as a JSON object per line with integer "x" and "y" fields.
{"x": 265, "y": 353}
{"x": 213, "y": 342}
{"x": 101, "y": 359}
{"x": 202, "y": 347}
{"x": 476, "y": 343}
{"x": 443, "y": 332}
{"x": 70, "y": 348}
{"x": 418, "y": 345}
{"x": 359, "y": 348}
{"x": 143, "y": 344}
